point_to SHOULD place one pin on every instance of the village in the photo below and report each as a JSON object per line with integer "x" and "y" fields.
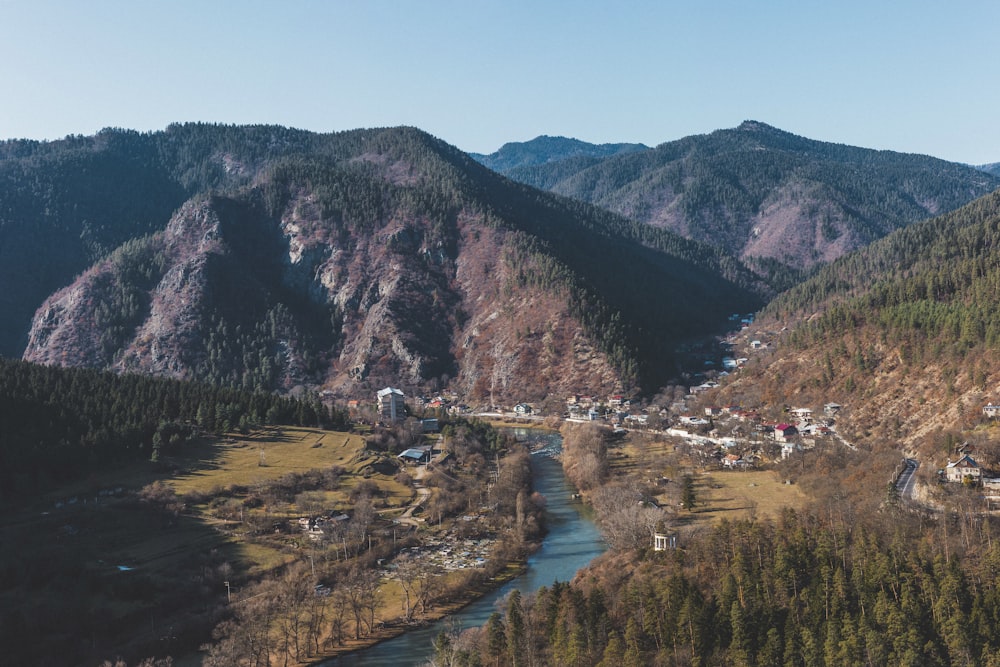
{"x": 726, "y": 437}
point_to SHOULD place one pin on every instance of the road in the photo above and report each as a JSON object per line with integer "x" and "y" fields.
{"x": 906, "y": 479}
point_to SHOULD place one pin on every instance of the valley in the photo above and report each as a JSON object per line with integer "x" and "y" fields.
{"x": 769, "y": 361}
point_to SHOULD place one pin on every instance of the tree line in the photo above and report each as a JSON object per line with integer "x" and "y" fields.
{"x": 59, "y": 424}
{"x": 803, "y": 590}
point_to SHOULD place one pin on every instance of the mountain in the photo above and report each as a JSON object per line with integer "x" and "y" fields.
{"x": 65, "y": 204}
{"x": 348, "y": 262}
{"x": 905, "y": 332}
{"x": 992, "y": 168}
{"x": 780, "y": 201}
{"x": 549, "y": 150}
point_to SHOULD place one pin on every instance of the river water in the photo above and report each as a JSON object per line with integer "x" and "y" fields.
{"x": 572, "y": 541}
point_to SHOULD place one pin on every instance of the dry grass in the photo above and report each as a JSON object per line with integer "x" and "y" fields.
{"x": 720, "y": 493}
{"x": 237, "y": 461}
{"x": 646, "y": 456}
{"x": 732, "y": 494}
{"x": 270, "y": 454}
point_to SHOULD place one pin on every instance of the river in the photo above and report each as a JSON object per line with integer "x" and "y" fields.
{"x": 572, "y": 541}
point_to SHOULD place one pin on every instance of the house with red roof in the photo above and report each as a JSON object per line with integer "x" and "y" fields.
{"x": 785, "y": 432}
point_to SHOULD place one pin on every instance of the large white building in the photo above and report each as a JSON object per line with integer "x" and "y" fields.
{"x": 390, "y": 404}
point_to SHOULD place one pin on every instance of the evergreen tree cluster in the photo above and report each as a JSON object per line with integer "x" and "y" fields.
{"x": 931, "y": 290}
{"x": 58, "y": 425}
{"x": 802, "y": 592}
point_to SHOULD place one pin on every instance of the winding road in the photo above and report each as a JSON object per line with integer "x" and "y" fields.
{"x": 906, "y": 479}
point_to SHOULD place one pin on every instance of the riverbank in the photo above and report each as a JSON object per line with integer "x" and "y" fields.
{"x": 396, "y": 627}
{"x": 571, "y": 542}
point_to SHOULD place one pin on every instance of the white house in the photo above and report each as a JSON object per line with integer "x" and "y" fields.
{"x": 957, "y": 471}
{"x": 789, "y": 448}
{"x": 803, "y": 414}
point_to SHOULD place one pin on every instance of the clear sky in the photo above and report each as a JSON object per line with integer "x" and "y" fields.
{"x": 916, "y": 76}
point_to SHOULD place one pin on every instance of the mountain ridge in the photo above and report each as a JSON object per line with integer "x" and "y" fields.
{"x": 385, "y": 257}
{"x": 546, "y": 149}
{"x": 992, "y": 168}
{"x": 771, "y": 197}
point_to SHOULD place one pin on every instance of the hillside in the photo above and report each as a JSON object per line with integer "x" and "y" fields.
{"x": 992, "y": 168}
{"x": 906, "y": 333}
{"x": 548, "y": 150}
{"x": 376, "y": 257}
{"x": 784, "y": 202}
{"x": 65, "y": 204}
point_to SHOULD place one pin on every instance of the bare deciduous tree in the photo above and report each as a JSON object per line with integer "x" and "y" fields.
{"x": 585, "y": 455}
{"x": 625, "y": 517}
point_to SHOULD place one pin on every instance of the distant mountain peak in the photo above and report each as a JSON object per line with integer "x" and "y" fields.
{"x": 547, "y": 149}
{"x": 756, "y": 126}
{"x": 767, "y": 195}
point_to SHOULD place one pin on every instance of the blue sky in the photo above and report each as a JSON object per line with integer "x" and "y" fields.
{"x": 918, "y": 76}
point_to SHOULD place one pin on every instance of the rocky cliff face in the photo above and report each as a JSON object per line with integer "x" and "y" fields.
{"x": 348, "y": 262}
{"x": 356, "y": 311}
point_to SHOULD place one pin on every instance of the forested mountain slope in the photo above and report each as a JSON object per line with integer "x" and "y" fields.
{"x": 906, "y": 331}
{"x": 779, "y": 200}
{"x": 548, "y": 150}
{"x": 354, "y": 260}
{"x": 65, "y": 204}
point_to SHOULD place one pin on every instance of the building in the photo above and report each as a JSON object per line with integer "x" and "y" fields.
{"x": 959, "y": 470}
{"x": 416, "y": 455}
{"x": 785, "y": 432}
{"x": 803, "y": 414}
{"x": 789, "y": 448}
{"x": 390, "y": 404}
{"x": 664, "y": 541}
{"x": 992, "y": 411}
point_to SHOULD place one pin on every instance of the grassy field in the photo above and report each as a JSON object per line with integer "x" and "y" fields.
{"x": 266, "y": 455}
{"x": 720, "y": 493}
{"x": 738, "y": 495}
